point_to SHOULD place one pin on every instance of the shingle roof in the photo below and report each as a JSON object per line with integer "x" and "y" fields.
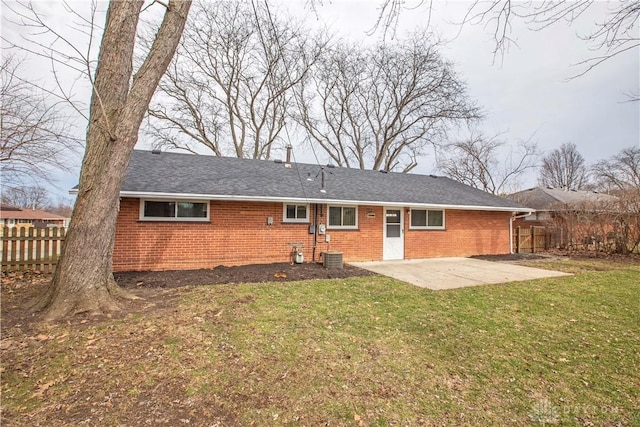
{"x": 34, "y": 214}
{"x": 545, "y": 199}
{"x": 187, "y": 175}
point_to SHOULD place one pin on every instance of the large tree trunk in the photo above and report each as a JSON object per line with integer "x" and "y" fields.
{"x": 83, "y": 281}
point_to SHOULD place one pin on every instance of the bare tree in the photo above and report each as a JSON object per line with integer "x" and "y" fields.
{"x": 615, "y": 35}
{"x": 609, "y": 225}
{"x": 83, "y": 281}
{"x": 380, "y": 107}
{"x": 564, "y": 168}
{"x": 61, "y": 206}
{"x": 36, "y": 136}
{"x": 229, "y": 87}
{"x": 620, "y": 175}
{"x": 35, "y": 197}
{"x": 487, "y": 163}
{"x": 620, "y": 172}
{"x": 28, "y": 197}
{"x": 627, "y": 227}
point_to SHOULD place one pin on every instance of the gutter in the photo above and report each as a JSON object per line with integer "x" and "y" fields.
{"x": 514, "y": 217}
{"x": 321, "y": 201}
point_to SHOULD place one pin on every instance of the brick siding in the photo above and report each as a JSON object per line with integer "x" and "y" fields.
{"x": 238, "y": 234}
{"x": 467, "y": 233}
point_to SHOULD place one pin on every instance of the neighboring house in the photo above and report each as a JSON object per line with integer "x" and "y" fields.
{"x": 184, "y": 211}
{"x": 549, "y": 203}
{"x": 17, "y": 217}
{"x": 580, "y": 218}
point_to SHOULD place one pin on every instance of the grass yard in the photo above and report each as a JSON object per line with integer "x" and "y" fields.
{"x": 364, "y": 351}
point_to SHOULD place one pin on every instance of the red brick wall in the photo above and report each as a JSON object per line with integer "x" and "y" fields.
{"x": 363, "y": 244}
{"x": 467, "y": 233}
{"x": 238, "y": 234}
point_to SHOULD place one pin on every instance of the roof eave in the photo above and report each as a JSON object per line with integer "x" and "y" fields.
{"x": 242, "y": 198}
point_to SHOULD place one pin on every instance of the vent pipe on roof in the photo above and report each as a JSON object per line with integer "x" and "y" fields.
{"x": 322, "y": 190}
{"x": 156, "y": 151}
{"x": 288, "y": 162}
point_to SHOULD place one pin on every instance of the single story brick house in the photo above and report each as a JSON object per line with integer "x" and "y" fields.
{"x": 17, "y": 217}
{"x": 571, "y": 218}
{"x": 185, "y": 211}
{"x": 549, "y": 203}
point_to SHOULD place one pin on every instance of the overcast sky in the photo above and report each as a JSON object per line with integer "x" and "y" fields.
{"x": 527, "y": 93}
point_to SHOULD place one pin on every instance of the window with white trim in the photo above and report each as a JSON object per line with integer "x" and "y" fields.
{"x": 425, "y": 219}
{"x": 343, "y": 217}
{"x": 538, "y": 216}
{"x": 295, "y": 213}
{"x": 173, "y": 210}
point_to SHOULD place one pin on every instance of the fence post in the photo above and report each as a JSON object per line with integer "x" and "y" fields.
{"x": 547, "y": 238}
{"x": 28, "y": 254}
{"x": 518, "y": 239}
{"x": 533, "y": 239}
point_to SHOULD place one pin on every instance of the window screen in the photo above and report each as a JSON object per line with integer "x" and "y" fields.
{"x": 296, "y": 213}
{"x": 418, "y": 218}
{"x": 192, "y": 210}
{"x": 175, "y": 210}
{"x": 423, "y": 218}
{"x": 435, "y": 219}
{"x": 159, "y": 209}
{"x": 343, "y": 216}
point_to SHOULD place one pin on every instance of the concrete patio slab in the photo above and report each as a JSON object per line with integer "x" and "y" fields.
{"x": 451, "y": 273}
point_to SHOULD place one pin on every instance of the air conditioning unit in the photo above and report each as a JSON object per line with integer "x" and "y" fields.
{"x": 332, "y": 259}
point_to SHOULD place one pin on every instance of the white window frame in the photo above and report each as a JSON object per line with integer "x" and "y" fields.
{"x": 295, "y": 220}
{"x": 175, "y": 218}
{"x": 427, "y": 227}
{"x": 538, "y": 216}
{"x": 342, "y": 227}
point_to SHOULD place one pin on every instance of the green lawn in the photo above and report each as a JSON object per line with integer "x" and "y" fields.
{"x": 366, "y": 351}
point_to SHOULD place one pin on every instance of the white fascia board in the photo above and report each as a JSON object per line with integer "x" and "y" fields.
{"x": 236, "y": 198}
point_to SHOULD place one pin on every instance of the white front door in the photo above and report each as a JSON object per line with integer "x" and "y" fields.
{"x": 393, "y": 239}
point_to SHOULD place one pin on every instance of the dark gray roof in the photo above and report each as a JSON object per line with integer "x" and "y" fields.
{"x": 165, "y": 174}
{"x": 547, "y": 199}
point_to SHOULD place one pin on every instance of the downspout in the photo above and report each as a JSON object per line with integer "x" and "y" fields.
{"x": 514, "y": 217}
{"x": 315, "y": 231}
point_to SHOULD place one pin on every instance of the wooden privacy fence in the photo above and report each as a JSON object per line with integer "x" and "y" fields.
{"x": 535, "y": 239}
{"x": 31, "y": 248}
